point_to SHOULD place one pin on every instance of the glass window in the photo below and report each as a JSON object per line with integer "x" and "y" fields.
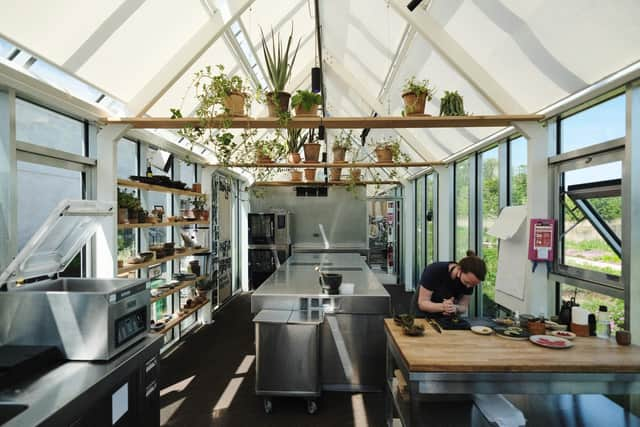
{"x": 127, "y": 158}
{"x": 518, "y": 172}
{"x": 40, "y": 189}
{"x": 420, "y": 259}
{"x": 592, "y": 301}
{"x": 430, "y": 219}
{"x": 37, "y": 125}
{"x": 187, "y": 172}
{"x": 490, "y": 208}
{"x": 462, "y": 192}
{"x": 592, "y": 218}
{"x": 154, "y": 198}
{"x": 600, "y": 123}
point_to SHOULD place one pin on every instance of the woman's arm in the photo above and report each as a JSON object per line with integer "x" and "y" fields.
{"x": 425, "y": 303}
{"x": 463, "y": 304}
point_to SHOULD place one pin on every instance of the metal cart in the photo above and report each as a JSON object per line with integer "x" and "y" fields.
{"x": 288, "y": 355}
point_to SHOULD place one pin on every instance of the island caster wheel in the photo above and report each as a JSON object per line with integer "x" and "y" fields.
{"x": 312, "y": 407}
{"x": 268, "y": 406}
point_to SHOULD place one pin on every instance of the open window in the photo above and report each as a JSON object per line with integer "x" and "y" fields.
{"x": 590, "y": 219}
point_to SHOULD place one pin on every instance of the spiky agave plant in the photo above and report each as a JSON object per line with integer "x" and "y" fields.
{"x": 277, "y": 60}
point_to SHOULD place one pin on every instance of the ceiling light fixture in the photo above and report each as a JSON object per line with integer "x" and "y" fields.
{"x": 413, "y": 4}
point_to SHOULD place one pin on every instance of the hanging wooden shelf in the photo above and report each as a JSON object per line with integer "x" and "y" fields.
{"x": 176, "y": 288}
{"x": 158, "y": 188}
{"x": 161, "y": 224}
{"x": 133, "y": 267}
{"x": 331, "y": 122}
{"x": 329, "y": 165}
{"x": 181, "y": 317}
{"x": 320, "y": 183}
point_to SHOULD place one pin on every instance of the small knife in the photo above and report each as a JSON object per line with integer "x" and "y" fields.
{"x": 435, "y": 325}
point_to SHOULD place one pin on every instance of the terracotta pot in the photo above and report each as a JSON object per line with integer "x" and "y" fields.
{"x": 310, "y": 174}
{"x": 536, "y": 328}
{"x": 205, "y": 215}
{"x": 294, "y": 158}
{"x": 355, "y": 174}
{"x": 623, "y": 337}
{"x": 311, "y": 152}
{"x": 196, "y": 187}
{"x": 235, "y": 104}
{"x": 300, "y": 111}
{"x": 120, "y": 263}
{"x": 281, "y": 105}
{"x": 201, "y": 214}
{"x": 384, "y": 155}
{"x": 414, "y": 105}
{"x": 296, "y": 175}
{"x": 261, "y": 158}
{"x": 335, "y": 174}
{"x": 123, "y": 216}
{"x": 339, "y": 154}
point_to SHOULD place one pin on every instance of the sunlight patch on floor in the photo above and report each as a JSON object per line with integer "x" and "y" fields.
{"x": 227, "y": 396}
{"x": 359, "y": 412}
{"x": 245, "y": 364}
{"x": 178, "y": 387}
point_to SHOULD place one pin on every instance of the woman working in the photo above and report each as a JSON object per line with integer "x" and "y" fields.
{"x": 445, "y": 287}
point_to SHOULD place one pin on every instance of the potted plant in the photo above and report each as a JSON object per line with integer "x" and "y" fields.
{"x": 306, "y": 103}
{"x": 355, "y": 173}
{"x": 268, "y": 150}
{"x": 415, "y": 94}
{"x": 129, "y": 202}
{"x": 295, "y": 141}
{"x": 451, "y": 104}
{"x": 388, "y": 150}
{"x": 200, "y": 210}
{"x": 311, "y": 148}
{"x": 310, "y": 174}
{"x": 279, "y": 66}
{"x": 341, "y": 144}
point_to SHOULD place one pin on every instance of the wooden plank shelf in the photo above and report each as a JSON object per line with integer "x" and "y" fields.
{"x": 320, "y": 183}
{"x": 176, "y": 288}
{"x": 175, "y": 322}
{"x": 158, "y": 188}
{"x": 329, "y": 165}
{"x": 133, "y": 267}
{"x": 161, "y": 224}
{"x": 389, "y": 122}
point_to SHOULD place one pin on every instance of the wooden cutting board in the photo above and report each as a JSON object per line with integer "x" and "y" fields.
{"x": 464, "y": 351}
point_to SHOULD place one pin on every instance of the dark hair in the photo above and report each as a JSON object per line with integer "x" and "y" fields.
{"x": 473, "y": 264}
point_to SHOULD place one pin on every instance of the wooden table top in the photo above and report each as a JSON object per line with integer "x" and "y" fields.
{"x": 464, "y": 351}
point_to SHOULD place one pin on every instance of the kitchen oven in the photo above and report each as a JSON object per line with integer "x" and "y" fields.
{"x": 269, "y": 228}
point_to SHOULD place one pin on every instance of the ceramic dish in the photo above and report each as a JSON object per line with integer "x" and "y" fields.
{"x": 413, "y": 330}
{"x": 513, "y": 333}
{"x": 504, "y": 321}
{"x": 554, "y": 326}
{"x": 481, "y": 330}
{"x": 564, "y": 334}
{"x": 550, "y": 341}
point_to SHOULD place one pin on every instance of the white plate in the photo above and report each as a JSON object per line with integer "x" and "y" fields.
{"x": 550, "y": 341}
{"x": 482, "y": 330}
{"x": 564, "y": 334}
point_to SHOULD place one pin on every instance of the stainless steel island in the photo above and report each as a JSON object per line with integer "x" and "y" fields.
{"x": 352, "y": 340}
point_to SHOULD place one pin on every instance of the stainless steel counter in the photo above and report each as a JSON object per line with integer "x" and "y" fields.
{"x": 59, "y": 396}
{"x": 352, "y": 334}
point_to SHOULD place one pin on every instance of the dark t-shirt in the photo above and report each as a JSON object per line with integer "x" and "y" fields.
{"x": 437, "y": 278}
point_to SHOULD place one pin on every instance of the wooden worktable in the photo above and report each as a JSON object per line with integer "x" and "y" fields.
{"x": 464, "y": 351}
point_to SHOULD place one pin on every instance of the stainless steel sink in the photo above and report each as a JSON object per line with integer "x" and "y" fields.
{"x": 9, "y": 410}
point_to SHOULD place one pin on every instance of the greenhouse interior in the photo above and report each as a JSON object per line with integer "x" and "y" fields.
{"x": 303, "y": 212}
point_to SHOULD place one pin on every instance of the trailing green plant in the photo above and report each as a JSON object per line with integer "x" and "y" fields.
{"x": 211, "y": 89}
{"x": 279, "y": 65}
{"x": 451, "y": 104}
{"x": 272, "y": 148}
{"x": 306, "y": 99}
{"x": 199, "y": 202}
{"x": 343, "y": 140}
{"x": 418, "y": 87}
{"x": 295, "y": 140}
{"x": 393, "y": 144}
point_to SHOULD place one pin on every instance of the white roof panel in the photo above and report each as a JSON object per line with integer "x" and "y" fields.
{"x": 142, "y": 45}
